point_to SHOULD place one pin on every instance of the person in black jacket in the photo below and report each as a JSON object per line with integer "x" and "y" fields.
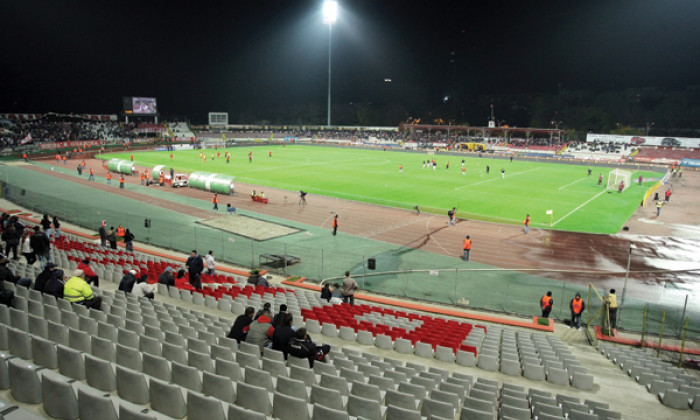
{"x": 195, "y": 266}
{"x": 167, "y": 277}
{"x": 50, "y": 281}
{"x": 303, "y": 347}
{"x": 240, "y": 327}
{"x": 9, "y": 235}
{"x": 128, "y": 281}
{"x": 326, "y": 292}
{"x": 41, "y": 247}
{"x": 129, "y": 240}
{"x": 277, "y": 319}
{"x": 282, "y": 334}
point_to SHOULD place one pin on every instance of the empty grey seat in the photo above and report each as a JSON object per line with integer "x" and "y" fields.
{"x": 253, "y": 398}
{"x": 218, "y": 386}
{"x": 400, "y": 413}
{"x": 59, "y": 399}
{"x": 246, "y": 360}
{"x": 468, "y": 413}
{"x": 44, "y": 353}
{"x": 129, "y": 357}
{"x": 236, "y": 412}
{"x": 400, "y": 399}
{"x": 92, "y": 405}
{"x": 259, "y": 378}
{"x": 228, "y": 369}
{"x": 167, "y": 399}
{"x": 25, "y": 385}
{"x": 327, "y": 413}
{"x": 292, "y": 387}
{"x": 335, "y": 382}
{"x": 132, "y": 386}
{"x": 363, "y": 407}
{"x": 103, "y": 348}
{"x": 99, "y": 374}
{"x": 174, "y": 353}
{"x": 480, "y": 404}
{"x": 327, "y": 397}
{"x": 200, "y": 361}
{"x": 275, "y": 367}
{"x": 200, "y": 407}
{"x": 448, "y": 397}
{"x": 417, "y": 391}
{"x": 364, "y": 390}
{"x": 285, "y": 407}
{"x": 186, "y": 376}
{"x": 134, "y": 413}
{"x": 19, "y": 343}
{"x": 515, "y": 413}
{"x": 306, "y": 375}
{"x": 430, "y": 407}
{"x": 675, "y": 399}
{"x": 157, "y": 367}
{"x": 70, "y": 362}
{"x": 150, "y": 345}
{"x": 487, "y": 362}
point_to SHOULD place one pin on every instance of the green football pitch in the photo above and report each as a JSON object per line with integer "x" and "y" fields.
{"x": 573, "y": 197}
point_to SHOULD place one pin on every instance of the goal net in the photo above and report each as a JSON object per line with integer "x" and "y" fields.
{"x": 615, "y": 177}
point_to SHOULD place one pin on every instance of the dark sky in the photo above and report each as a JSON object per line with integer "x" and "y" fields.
{"x": 83, "y": 56}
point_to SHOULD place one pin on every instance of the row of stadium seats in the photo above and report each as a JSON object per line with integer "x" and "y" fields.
{"x": 146, "y": 370}
{"x": 670, "y": 384}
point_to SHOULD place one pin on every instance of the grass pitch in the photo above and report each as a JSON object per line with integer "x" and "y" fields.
{"x": 576, "y": 201}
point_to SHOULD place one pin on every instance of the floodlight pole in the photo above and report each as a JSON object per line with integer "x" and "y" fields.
{"x": 624, "y": 287}
{"x": 330, "y": 31}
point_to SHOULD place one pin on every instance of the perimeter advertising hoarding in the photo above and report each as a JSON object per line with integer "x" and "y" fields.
{"x": 644, "y": 140}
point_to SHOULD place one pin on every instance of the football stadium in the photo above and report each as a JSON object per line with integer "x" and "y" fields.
{"x": 159, "y": 266}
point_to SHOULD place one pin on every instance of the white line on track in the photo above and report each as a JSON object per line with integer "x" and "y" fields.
{"x": 579, "y": 180}
{"x": 432, "y": 237}
{"x": 577, "y": 208}
{"x": 495, "y": 179}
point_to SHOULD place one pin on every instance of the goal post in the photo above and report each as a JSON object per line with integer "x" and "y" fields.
{"x": 616, "y": 176}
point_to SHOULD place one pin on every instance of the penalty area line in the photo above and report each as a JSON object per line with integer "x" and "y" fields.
{"x": 579, "y": 207}
{"x": 561, "y": 188}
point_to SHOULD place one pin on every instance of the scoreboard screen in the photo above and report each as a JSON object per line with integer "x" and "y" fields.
{"x": 139, "y": 105}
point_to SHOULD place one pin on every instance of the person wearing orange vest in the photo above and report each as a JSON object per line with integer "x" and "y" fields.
{"x": 92, "y": 175}
{"x": 109, "y": 178}
{"x": 577, "y": 306}
{"x": 143, "y": 178}
{"x": 121, "y": 181}
{"x": 335, "y": 225}
{"x": 215, "y": 200}
{"x": 161, "y": 179}
{"x": 121, "y": 232}
{"x": 527, "y": 224}
{"x": 65, "y": 160}
{"x": 546, "y": 304}
{"x": 58, "y": 158}
{"x": 467, "y": 247}
{"x": 25, "y": 157}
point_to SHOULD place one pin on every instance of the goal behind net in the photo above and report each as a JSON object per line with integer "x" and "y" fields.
{"x": 615, "y": 177}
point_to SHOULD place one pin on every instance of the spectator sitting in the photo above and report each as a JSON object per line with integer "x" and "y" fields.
{"x": 283, "y": 333}
{"x": 50, "y": 281}
{"x": 90, "y": 275}
{"x": 260, "y": 331}
{"x": 6, "y": 274}
{"x": 239, "y": 330}
{"x": 253, "y": 277}
{"x": 303, "y": 347}
{"x": 337, "y": 294}
{"x": 278, "y": 316}
{"x": 76, "y": 290}
{"x": 266, "y": 307}
{"x": 262, "y": 281}
{"x": 6, "y": 296}
{"x": 141, "y": 288}
{"x": 127, "y": 282}
{"x": 326, "y": 292}
{"x": 167, "y": 277}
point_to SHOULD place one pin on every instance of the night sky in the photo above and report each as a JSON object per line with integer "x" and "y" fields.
{"x": 196, "y": 57}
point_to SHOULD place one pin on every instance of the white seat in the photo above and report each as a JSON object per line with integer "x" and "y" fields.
{"x": 92, "y": 405}
{"x": 285, "y": 407}
{"x": 200, "y": 407}
{"x": 25, "y": 385}
{"x": 167, "y": 399}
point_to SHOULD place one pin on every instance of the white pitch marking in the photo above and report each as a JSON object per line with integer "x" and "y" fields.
{"x": 577, "y": 208}
{"x": 495, "y": 179}
{"x": 561, "y": 188}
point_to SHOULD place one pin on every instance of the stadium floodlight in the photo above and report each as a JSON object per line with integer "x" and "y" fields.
{"x": 330, "y": 15}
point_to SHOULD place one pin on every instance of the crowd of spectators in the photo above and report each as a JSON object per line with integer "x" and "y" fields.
{"x": 42, "y": 131}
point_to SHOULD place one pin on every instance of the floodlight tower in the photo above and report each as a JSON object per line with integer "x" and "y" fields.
{"x": 330, "y": 15}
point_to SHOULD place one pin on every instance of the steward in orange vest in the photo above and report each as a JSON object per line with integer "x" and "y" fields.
{"x": 121, "y": 232}
{"x": 546, "y": 304}
{"x": 577, "y": 306}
